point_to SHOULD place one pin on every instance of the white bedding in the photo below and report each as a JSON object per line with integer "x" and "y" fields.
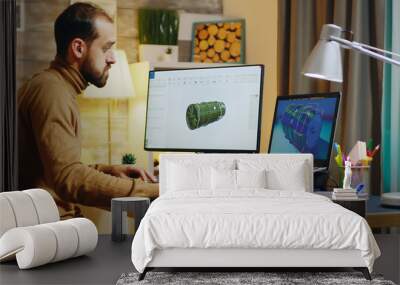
{"x": 251, "y": 218}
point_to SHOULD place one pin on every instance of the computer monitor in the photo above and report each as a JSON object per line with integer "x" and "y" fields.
{"x": 205, "y": 109}
{"x": 305, "y": 124}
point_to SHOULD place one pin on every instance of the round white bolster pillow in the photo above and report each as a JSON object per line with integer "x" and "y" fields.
{"x": 26, "y": 208}
{"x": 45, "y": 243}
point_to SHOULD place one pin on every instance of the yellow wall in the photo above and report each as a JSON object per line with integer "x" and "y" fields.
{"x": 261, "y": 47}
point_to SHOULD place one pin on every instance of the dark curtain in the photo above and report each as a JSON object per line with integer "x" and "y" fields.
{"x": 8, "y": 119}
{"x": 300, "y": 23}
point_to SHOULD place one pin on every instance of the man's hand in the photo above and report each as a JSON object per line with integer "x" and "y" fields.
{"x": 128, "y": 171}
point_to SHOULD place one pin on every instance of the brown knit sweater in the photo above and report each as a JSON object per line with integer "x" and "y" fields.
{"x": 50, "y": 143}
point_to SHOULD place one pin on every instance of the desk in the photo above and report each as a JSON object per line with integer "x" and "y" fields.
{"x": 371, "y": 209}
{"x": 381, "y": 217}
{"x": 357, "y": 205}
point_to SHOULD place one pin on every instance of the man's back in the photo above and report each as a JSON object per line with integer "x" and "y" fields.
{"x": 50, "y": 143}
{"x": 37, "y": 100}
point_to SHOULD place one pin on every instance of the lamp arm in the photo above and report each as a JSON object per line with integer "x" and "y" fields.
{"x": 358, "y": 47}
{"x": 377, "y": 49}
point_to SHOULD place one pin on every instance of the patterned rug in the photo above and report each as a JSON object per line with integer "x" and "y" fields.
{"x": 243, "y": 278}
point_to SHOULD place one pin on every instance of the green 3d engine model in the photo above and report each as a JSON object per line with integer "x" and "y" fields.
{"x": 302, "y": 126}
{"x": 201, "y": 114}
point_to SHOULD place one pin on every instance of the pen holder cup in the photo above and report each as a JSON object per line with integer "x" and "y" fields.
{"x": 359, "y": 174}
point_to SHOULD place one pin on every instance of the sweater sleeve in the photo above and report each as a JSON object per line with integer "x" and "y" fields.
{"x": 54, "y": 117}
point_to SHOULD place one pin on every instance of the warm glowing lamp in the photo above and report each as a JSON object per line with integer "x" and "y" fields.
{"x": 119, "y": 86}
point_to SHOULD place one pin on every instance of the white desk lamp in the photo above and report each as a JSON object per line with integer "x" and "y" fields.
{"x": 325, "y": 62}
{"x": 119, "y": 86}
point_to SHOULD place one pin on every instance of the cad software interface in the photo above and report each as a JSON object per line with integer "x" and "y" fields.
{"x": 304, "y": 126}
{"x": 211, "y": 108}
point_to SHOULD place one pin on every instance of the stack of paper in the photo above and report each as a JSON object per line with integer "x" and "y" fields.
{"x": 359, "y": 152}
{"x": 344, "y": 194}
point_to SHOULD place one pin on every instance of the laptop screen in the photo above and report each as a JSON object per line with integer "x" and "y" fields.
{"x": 305, "y": 124}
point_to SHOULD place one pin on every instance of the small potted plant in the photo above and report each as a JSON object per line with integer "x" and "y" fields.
{"x": 128, "y": 158}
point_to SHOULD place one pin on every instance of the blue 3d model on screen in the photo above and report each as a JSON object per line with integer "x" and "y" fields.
{"x": 302, "y": 125}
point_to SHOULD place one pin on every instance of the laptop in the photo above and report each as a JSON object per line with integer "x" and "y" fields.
{"x": 305, "y": 124}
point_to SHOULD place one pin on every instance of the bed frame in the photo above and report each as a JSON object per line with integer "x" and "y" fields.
{"x": 246, "y": 258}
{"x": 242, "y": 259}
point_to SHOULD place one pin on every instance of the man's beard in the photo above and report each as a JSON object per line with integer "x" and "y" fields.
{"x": 91, "y": 76}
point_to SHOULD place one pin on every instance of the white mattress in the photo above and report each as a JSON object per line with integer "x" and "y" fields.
{"x": 250, "y": 218}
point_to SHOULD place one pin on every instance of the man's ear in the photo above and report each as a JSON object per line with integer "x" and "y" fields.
{"x": 79, "y": 48}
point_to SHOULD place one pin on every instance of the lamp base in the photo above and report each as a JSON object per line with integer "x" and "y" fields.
{"x": 391, "y": 199}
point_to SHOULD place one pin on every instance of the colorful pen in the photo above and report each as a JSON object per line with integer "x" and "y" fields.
{"x": 375, "y": 150}
{"x": 360, "y": 187}
{"x": 339, "y": 157}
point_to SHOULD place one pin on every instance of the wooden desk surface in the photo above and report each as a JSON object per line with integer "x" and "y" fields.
{"x": 381, "y": 217}
{"x": 376, "y": 215}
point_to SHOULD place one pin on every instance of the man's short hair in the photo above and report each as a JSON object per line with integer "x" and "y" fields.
{"x": 77, "y": 21}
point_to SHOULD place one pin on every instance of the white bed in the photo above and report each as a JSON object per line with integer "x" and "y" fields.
{"x": 201, "y": 220}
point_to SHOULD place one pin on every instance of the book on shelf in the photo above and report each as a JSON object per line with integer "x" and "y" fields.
{"x": 362, "y": 196}
{"x": 341, "y": 190}
{"x": 344, "y": 196}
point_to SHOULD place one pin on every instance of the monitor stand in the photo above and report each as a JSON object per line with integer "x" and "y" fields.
{"x": 391, "y": 199}
{"x": 320, "y": 175}
{"x": 150, "y": 163}
{"x": 319, "y": 169}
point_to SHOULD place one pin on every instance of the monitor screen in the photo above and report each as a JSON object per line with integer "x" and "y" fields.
{"x": 205, "y": 109}
{"x": 305, "y": 124}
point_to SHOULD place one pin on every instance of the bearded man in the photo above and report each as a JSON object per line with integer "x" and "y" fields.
{"x": 49, "y": 125}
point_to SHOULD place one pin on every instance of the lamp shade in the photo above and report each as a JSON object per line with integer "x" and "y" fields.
{"x": 119, "y": 84}
{"x": 325, "y": 61}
